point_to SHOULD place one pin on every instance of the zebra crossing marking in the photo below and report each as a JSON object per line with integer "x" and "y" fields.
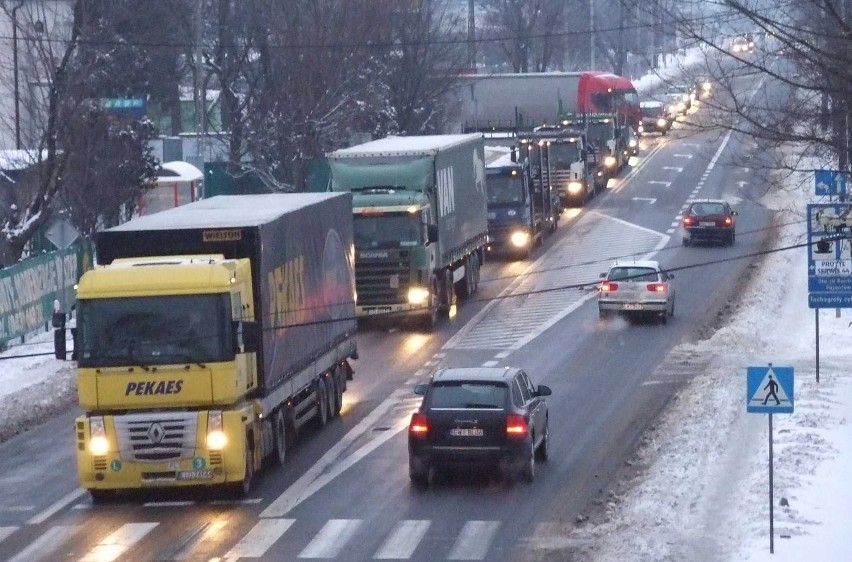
{"x": 257, "y": 541}
{"x": 474, "y": 540}
{"x": 118, "y": 542}
{"x": 403, "y": 540}
{"x": 44, "y": 546}
{"x": 331, "y": 538}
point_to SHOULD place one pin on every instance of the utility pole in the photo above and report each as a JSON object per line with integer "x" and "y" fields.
{"x": 591, "y": 34}
{"x": 17, "y": 91}
{"x": 200, "y": 102}
{"x": 471, "y": 35}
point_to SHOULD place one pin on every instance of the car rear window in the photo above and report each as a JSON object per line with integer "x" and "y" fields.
{"x": 459, "y": 394}
{"x": 652, "y": 111}
{"x": 638, "y": 274}
{"x": 708, "y": 209}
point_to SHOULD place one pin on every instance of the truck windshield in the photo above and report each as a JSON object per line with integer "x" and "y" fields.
{"x": 504, "y": 189}
{"x": 599, "y": 133}
{"x": 388, "y": 230}
{"x": 563, "y": 154}
{"x": 143, "y": 331}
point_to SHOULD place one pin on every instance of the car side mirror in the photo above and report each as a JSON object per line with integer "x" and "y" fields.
{"x": 543, "y": 390}
{"x": 733, "y": 212}
{"x": 421, "y": 388}
{"x": 247, "y": 336}
{"x": 602, "y": 275}
{"x": 432, "y": 233}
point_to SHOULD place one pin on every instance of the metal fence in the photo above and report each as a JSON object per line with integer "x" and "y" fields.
{"x": 28, "y": 289}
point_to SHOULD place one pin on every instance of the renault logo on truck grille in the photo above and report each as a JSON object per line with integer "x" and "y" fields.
{"x": 156, "y": 433}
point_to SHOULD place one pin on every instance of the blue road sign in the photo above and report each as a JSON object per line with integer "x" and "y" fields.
{"x": 769, "y": 390}
{"x": 829, "y": 255}
{"x": 830, "y": 182}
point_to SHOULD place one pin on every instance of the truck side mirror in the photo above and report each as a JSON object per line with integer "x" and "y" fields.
{"x": 247, "y": 336}
{"x": 431, "y": 233}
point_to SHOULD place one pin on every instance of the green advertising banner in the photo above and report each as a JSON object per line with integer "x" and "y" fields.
{"x": 28, "y": 288}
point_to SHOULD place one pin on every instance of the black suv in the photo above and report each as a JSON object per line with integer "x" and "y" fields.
{"x": 489, "y": 417}
{"x": 711, "y": 220}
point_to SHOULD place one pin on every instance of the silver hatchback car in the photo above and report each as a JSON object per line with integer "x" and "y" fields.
{"x": 637, "y": 288}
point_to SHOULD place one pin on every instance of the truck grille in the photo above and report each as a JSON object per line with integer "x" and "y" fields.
{"x": 157, "y": 437}
{"x": 382, "y": 280}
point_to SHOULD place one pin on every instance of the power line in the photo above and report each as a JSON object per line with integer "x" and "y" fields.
{"x": 574, "y": 286}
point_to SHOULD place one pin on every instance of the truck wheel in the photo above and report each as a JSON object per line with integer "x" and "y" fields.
{"x": 322, "y": 403}
{"x": 101, "y": 497}
{"x": 463, "y": 286}
{"x": 279, "y": 428}
{"x": 243, "y": 488}
{"x": 338, "y": 391}
{"x": 329, "y": 393}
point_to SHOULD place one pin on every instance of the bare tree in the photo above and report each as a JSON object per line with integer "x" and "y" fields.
{"x": 529, "y": 32}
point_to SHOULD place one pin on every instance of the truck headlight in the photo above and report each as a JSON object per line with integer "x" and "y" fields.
{"x": 418, "y": 295}
{"x": 216, "y": 438}
{"x": 574, "y": 187}
{"x": 661, "y": 122}
{"x": 98, "y": 444}
{"x": 641, "y": 129}
{"x": 632, "y": 143}
{"x": 609, "y": 161}
{"x": 520, "y": 238}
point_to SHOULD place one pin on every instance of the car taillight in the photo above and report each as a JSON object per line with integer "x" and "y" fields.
{"x": 729, "y": 221}
{"x": 688, "y": 219}
{"x": 608, "y": 287}
{"x": 516, "y": 425}
{"x": 419, "y": 424}
{"x": 657, "y": 287}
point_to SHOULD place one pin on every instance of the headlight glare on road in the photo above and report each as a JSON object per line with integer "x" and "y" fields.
{"x": 609, "y": 161}
{"x": 520, "y": 238}
{"x": 418, "y": 295}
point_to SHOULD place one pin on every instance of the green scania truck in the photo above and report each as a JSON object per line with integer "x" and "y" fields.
{"x": 420, "y": 222}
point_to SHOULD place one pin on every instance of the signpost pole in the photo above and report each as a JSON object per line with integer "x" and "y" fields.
{"x": 771, "y": 499}
{"x": 816, "y": 324}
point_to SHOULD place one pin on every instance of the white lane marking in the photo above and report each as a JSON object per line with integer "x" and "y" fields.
{"x": 677, "y": 169}
{"x": 59, "y": 504}
{"x": 118, "y": 542}
{"x": 257, "y": 541}
{"x": 440, "y": 355}
{"x": 473, "y": 541}
{"x": 650, "y": 200}
{"x": 330, "y": 466}
{"x": 630, "y": 224}
{"x": 45, "y": 545}
{"x": 168, "y": 504}
{"x": 670, "y": 231}
{"x": 675, "y": 224}
{"x": 431, "y": 363}
{"x": 331, "y": 539}
{"x": 665, "y": 183}
{"x": 682, "y": 155}
{"x": 17, "y": 508}
{"x": 719, "y": 151}
{"x": 503, "y": 355}
{"x": 403, "y": 541}
{"x": 247, "y": 501}
{"x": 6, "y": 531}
{"x": 490, "y": 363}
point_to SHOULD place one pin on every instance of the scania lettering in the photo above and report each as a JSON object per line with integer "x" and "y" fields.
{"x": 210, "y": 336}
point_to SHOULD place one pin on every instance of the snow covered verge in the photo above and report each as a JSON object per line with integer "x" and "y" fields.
{"x": 701, "y": 485}
{"x": 33, "y": 389}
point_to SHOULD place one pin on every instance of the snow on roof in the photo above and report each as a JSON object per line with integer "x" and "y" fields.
{"x": 13, "y": 160}
{"x": 179, "y": 171}
{"x": 226, "y": 211}
{"x": 498, "y": 157}
{"x": 404, "y": 146}
{"x": 637, "y": 263}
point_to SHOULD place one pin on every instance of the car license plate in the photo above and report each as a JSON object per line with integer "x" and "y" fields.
{"x": 459, "y": 432}
{"x": 194, "y": 474}
{"x": 633, "y": 306}
{"x": 706, "y": 223}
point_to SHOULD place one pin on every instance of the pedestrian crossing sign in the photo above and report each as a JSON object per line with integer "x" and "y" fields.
{"x": 769, "y": 390}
